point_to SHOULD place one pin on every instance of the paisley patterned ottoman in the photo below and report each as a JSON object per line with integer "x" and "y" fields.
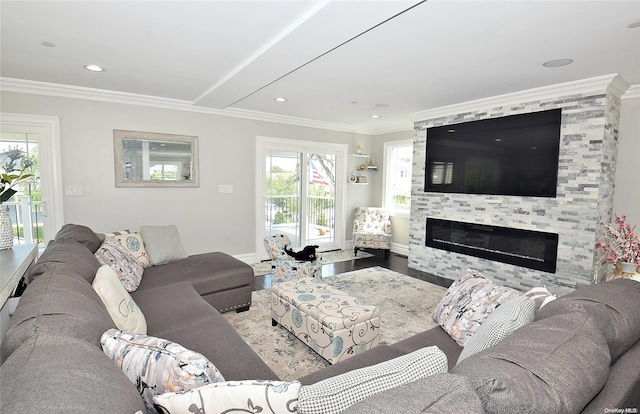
{"x": 332, "y": 323}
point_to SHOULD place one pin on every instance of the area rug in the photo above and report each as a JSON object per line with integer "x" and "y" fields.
{"x": 405, "y": 309}
{"x": 263, "y": 268}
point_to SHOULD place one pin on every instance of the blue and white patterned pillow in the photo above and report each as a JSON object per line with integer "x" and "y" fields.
{"x": 157, "y": 366}
{"x": 112, "y": 253}
{"x": 132, "y": 241}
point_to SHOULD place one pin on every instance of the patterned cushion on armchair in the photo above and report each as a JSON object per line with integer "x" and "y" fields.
{"x": 286, "y": 267}
{"x": 372, "y": 229}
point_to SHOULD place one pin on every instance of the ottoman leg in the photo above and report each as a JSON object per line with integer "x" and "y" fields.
{"x": 273, "y": 322}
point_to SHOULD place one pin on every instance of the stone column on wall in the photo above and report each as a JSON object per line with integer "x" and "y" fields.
{"x": 588, "y": 147}
{"x": 607, "y": 170}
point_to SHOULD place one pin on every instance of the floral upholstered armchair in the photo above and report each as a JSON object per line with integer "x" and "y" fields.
{"x": 286, "y": 267}
{"x": 372, "y": 229}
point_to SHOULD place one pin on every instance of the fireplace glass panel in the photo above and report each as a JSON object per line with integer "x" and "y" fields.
{"x": 527, "y": 248}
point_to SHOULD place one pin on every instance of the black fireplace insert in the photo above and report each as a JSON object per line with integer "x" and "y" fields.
{"x": 527, "y": 248}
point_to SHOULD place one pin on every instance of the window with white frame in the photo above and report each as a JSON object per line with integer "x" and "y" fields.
{"x": 398, "y": 161}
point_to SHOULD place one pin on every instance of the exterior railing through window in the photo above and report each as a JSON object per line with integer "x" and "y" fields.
{"x": 281, "y": 209}
{"x": 26, "y": 220}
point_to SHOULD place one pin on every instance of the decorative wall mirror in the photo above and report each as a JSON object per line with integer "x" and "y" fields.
{"x": 147, "y": 159}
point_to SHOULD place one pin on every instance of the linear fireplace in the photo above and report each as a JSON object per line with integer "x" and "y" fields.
{"x": 527, "y": 248}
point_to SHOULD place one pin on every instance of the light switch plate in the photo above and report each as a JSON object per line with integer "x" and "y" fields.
{"x": 74, "y": 190}
{"x": 225, "y": 188}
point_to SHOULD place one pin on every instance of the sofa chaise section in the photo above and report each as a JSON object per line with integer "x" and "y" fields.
{"x": 222, "y": 280}
{"x": 176, "y": 312}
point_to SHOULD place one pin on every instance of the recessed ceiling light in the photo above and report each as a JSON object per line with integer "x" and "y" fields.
{"x": 634, "y": 25}
{"x": 94, "y": 68}
{"x": 48, "y": 44}
{"x": 498, "y": 140}
{"x": 381, "y": 105}
{"x": 451, "y": 131}
{"x": 375, "y": 116}
{"x": 280, "y": 99}
{"x": 557, "y": 63}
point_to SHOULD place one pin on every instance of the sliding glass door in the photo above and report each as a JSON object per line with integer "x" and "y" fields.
{"x": 283, "y": 195}
{"x": 300, "y": 185}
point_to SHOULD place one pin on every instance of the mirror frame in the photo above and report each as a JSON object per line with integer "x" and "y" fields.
{"x": 120, "y": 135}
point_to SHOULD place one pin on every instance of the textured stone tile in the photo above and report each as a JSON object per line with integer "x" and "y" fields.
{"x": 586, "y": 176}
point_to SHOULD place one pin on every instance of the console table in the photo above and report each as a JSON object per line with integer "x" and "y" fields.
{"x": 14, "y": 263}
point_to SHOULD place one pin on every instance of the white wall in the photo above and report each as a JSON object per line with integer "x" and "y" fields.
{"x": 207, "y": 220}
{"x": 399, "y": 225}
{"x": 626, "y": 198}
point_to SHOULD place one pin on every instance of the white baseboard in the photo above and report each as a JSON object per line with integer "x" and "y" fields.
{"x": 402, "y": 249}
{"x": 248, "y": 258}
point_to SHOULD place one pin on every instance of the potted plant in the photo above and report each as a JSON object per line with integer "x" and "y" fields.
{"x": 14, "y": 169}
{"x": 621, "y": 247}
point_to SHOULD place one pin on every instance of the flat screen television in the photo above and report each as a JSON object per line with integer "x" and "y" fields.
{"x": 513, "y": 155}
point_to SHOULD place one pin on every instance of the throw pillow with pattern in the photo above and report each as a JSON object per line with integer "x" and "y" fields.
{"x": 157, "y": 365}
{"x": 467, "y": 303}
{"x": 132, "y": 241}
{"x": 251, "y": 396}
{"x": 540, "y": 295}
{"x": 334, "y": 395}
{"x": 112, "y": 253}
{"x": 124, "y": 311}
{"x": 506, "y": 319}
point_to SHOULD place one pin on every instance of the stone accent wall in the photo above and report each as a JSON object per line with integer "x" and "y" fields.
{"x": 588, "y": 150}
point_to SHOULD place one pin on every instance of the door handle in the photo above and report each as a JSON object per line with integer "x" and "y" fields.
{"x": 44, "y": 209}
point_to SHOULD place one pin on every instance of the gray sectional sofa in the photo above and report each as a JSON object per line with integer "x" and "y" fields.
{"x": 52, "y": 357}
{"x": 582, "y": 354}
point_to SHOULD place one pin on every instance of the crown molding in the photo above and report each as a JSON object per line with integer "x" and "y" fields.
{"x": 600, "y": 84}
{"x": 612, "y": 83}
{"x": 618, "y": 86}
{"x": 103, "y": 95}
{"x": 632, "y": 93}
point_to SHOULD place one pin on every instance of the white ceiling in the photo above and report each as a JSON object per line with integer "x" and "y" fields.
{"x": 333, "y": 60}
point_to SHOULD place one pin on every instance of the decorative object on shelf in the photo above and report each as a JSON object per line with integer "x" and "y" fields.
{"x": 353, "y": 178}
{"x": 358, "y": 147}
{"x": 15, "y": 170}
{"x": 371, "y": 166}
{"x": 621, "y": 247}
{"x": 362, "y": 167}
{"x": 362, "y": 179}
